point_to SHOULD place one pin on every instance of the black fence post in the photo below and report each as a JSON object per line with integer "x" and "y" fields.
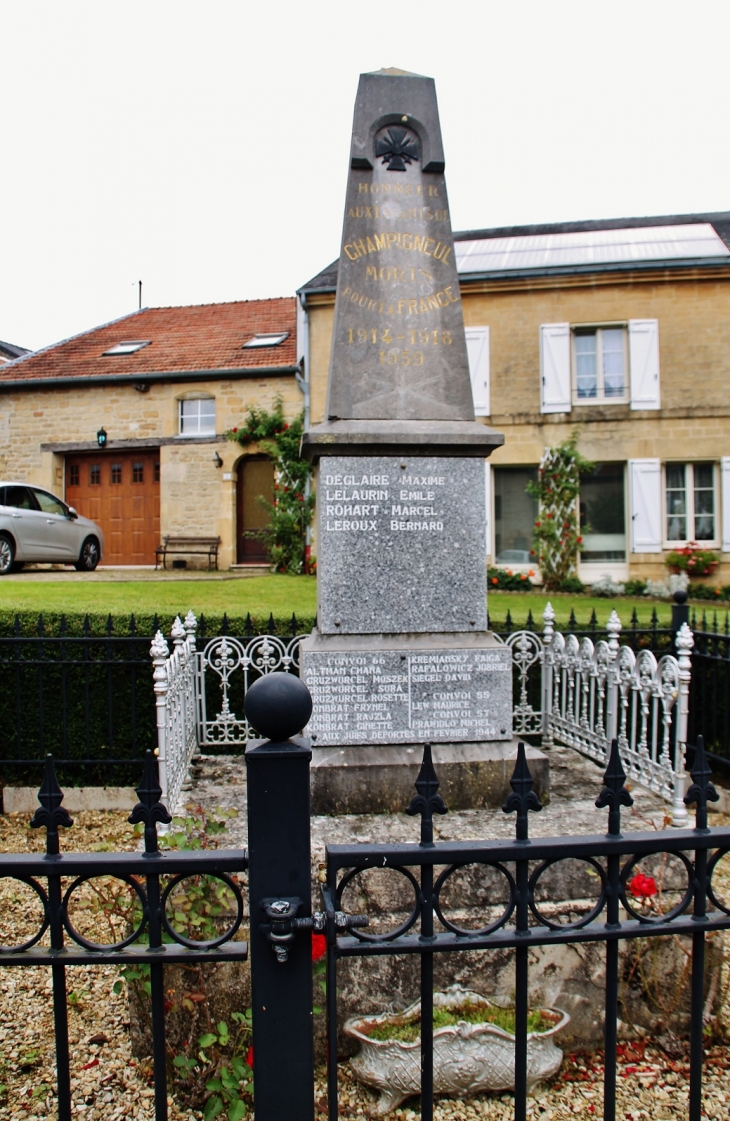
{"x": 278, "y": 705}
{"x": 680, "y": 614}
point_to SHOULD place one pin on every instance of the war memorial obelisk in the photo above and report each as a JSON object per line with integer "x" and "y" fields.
{"x": 401, "y": 653}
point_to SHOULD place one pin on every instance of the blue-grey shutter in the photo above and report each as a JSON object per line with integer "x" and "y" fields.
{"x": 646, "y": 505}
{"x": 555, "y": 368}
{"x": 644, "y": 363}
{"x": 477, "y": 348}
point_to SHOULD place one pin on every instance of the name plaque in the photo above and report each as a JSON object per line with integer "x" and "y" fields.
{"x": 391, "y": 696}
{"x": 401, "y": 545}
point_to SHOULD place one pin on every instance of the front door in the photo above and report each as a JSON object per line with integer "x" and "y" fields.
{"x": 121, "y": 492}
{"x": 255, "y": 479}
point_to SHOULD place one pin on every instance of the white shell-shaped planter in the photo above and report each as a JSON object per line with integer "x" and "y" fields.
{"x": 467, "y": 1058}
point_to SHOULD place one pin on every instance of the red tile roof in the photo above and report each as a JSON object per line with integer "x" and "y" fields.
{"x": 203, "y": 337}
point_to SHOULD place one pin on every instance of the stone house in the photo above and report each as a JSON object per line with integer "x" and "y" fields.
{"x": 160, "y": 388}
{"x": 618, "y": 328}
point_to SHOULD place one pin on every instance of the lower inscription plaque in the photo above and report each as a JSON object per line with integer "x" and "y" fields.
{"x": 404, "y": 696}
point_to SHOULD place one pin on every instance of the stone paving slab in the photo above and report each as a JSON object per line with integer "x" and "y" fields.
{"x": 575, "y": 782}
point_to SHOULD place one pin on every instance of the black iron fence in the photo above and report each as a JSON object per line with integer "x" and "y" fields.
{"x": 82, "y": 690}
{"x": 513, "y": 913}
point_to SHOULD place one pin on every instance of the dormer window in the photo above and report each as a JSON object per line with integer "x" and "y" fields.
{"x": 266, "y": 340}
{"x": 127, "y": 346}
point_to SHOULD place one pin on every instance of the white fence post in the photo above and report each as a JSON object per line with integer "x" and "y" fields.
{"x": 613, "y": 627}
{"x": 159, "y": 653}
{"x": 548, "y": 619}
{"x": 684, "y": 643}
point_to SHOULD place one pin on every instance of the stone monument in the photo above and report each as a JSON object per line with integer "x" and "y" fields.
{"x": 401, "y": 653}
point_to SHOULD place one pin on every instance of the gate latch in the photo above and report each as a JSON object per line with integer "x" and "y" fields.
{"x": 283, "y": 925}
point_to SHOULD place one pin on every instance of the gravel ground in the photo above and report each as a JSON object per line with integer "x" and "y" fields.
{"x": 108, "y": 1083}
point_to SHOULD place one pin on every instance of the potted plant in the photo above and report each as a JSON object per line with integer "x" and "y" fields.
{"x": 693, "y": 560}
{"x": 473, "y": 1047}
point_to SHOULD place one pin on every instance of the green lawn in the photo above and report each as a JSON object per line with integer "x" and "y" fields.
{"x": 278, "y": 595}
{"x": 259, "y": 595}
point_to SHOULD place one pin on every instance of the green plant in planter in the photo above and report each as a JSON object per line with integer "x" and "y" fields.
{"x": 409, "y": 1030}
{"x": 291, "y": 510}
{"x": 693, "y": 560}
{"x": 557, "y": 533}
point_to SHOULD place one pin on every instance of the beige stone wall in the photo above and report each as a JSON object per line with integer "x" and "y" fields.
{"x": 694, "y": 350}
{"x": 195, "y": 496}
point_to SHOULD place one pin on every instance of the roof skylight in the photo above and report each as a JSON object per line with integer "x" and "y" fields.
{"x": 273, "y": 339}
{"x": 127, "y": 346}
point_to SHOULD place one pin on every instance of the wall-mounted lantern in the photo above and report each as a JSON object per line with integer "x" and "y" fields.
{"x": 217, "y": 460}
{"x": 101, "y": 437}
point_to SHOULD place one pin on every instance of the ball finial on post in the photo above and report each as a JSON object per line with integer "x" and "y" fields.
{"x": 278, "y": 706}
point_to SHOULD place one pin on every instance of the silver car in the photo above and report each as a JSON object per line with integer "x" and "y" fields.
{"x": 37, "y": 526}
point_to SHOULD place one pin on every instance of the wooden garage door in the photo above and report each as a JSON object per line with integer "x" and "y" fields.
{"x": 120, "y": 491}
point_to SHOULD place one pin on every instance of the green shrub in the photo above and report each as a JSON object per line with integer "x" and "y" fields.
{"x": 635, "y": 587}
{"x": 571, "y": 584}
{"x": 504, "y": 580}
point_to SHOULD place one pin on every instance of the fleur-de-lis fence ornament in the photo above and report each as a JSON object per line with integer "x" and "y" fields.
{"x": 701, "y": 791}
{"x": 427, "y": 801}
{"x": 50, "y": 814}
{"x": 523, "y": 798}
{"x": 397, "y": 147}
{"x": 149, "y": 810}
{"x": 614, "y": 793}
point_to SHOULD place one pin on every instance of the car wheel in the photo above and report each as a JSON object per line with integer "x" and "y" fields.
{"x": 7, "y": 555}
{"x": 89, "y": 556}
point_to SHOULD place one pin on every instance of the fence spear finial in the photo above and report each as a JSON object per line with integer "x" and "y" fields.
{"x": 701, "y": 791}
{"x": 523, "y": 798}
{"x": 150, "y": 809}
{"x": 50, "y": 814}
{"x": 427, "y": 801}
{"x": 614, "y": 793}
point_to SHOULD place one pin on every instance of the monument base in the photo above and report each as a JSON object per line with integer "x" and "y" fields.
{"x": 364, "y": 779}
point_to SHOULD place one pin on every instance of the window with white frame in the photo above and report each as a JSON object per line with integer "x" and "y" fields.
{"x": 691, "y": 506}
{"x": 197, "y": 416}
{"x": 588, "y": 364}
{"x": 600, "y": 364}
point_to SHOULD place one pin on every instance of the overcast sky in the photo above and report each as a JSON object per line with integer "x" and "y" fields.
{"x": 202, "y": 146}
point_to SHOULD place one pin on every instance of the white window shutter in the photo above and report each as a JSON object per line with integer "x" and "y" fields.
{"x": 477, "y": 349}
{"x": 555, "y": 368}
{"x": 644, "y": 363}
{"x": 725, "y": 474}
{"x": 646, "y": 505}
{"x": 488, "y": 502}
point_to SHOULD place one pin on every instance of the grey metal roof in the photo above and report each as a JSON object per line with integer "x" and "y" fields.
{"x": 9, "y": 350}
{"x": 591, "y": 246}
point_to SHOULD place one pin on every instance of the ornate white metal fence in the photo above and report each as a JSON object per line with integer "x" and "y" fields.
{"x": 589, "y": 693}
{"x": 251, "y": 657}
{"x": 174, "y": 683}
{"x": 595, "y": 692}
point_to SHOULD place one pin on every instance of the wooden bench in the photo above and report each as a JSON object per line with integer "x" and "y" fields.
{"x": 176, "y": 544}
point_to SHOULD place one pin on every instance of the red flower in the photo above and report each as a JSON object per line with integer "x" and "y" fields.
{"x": 537, "y": 525}
{"x": 319, "y": 946}
{"x": 249, "y": 1057}
{"x": 495, "y": 580}
{"x": 234, "y": 430}
{"x": 548, "y": 515}
{"x": 522, "y": 576}
{"x": 642, "y": 887}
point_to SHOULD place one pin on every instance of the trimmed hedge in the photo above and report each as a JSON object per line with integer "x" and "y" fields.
{"x": 81, "y": 687}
